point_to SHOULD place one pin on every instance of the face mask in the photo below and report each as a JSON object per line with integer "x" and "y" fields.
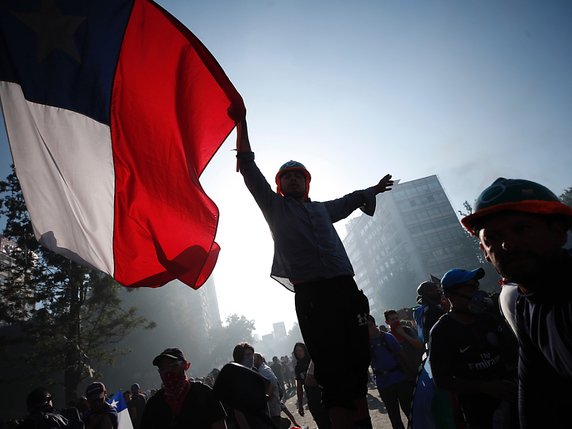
{"x": 248, "y": 361}
{"x": 173, "y": 380}
{"x": 480, "y": 302}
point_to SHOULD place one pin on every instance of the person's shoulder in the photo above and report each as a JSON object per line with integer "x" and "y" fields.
{"x": 442, "y": 324}
{"x": 386, "y": 340}
{"x": 156, "y": 398}
{"x": 197, "y": 386}
{"x": 434, "y": 310}
{"x": 52, "y": 420}
{"x": 388, "y": 336}
{"x": 267, "y": 372}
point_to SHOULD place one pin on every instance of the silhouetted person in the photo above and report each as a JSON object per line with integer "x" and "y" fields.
{"x": 522, "y": 227}
{"x": 100, "y": 415}
{"x": 136, "y": 405}
{"x": 306, "y": 383}
{"x": 466, "y": 353}
{"x": 43, "y": 415}
{"x": 310, "y": 259}
{"x": 431, "y": 307}
{"x": 243, "y": 391}
{"x": 181, "y": 403}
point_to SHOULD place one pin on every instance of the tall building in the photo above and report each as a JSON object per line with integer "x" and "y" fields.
{"x": 414, "y": 233}
{"x": 206, "y": 305}
{"x": 279, "y": 329}
{"x": 183, "y": 318}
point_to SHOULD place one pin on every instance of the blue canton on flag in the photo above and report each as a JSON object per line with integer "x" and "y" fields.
{"x": 117, "y": 401}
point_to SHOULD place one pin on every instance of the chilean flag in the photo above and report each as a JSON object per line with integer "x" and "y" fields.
{"x": 113, "y": 109}
{"x": 117, "y": 401}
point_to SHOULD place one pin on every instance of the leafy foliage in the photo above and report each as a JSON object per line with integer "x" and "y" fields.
{"x": 69, "y": 315}
{"x": 475, "y": 245}
{"x": 223, "y": 338}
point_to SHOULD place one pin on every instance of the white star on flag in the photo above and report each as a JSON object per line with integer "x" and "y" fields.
{"x": 117, "y": 401}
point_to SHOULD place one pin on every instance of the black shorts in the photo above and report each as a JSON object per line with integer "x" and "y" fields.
{"x": 332, "y": 314}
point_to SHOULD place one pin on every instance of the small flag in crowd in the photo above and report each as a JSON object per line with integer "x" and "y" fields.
{"x": 113, "y": 109}
{"x": 117, "y": 401}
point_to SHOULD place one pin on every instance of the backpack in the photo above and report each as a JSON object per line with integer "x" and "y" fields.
{"x": 241, "y": 388}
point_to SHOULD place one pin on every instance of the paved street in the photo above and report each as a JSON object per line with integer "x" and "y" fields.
{"x": 376, "y": 410}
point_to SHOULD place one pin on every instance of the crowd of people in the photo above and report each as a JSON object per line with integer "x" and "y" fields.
{"x": 246, "y": 393}
{"x": 482, "y": 378}
{"x": 490, "y": 356}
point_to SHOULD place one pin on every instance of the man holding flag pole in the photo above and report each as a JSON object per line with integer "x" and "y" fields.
{"x": 310, "y": 260}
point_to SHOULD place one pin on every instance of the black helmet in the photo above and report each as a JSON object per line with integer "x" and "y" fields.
{"x": 514, "y": 195}
{"x": 427, "y": 287}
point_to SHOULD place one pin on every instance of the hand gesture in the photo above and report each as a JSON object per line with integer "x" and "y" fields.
{"x": 384, "y": 184}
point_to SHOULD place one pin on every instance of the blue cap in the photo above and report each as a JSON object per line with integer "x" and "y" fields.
{"x": 457, "y": 277}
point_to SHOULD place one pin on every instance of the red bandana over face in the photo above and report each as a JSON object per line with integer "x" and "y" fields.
{"x": 176, "y": 385}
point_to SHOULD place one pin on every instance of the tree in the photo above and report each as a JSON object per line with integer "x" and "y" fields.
{"x": 224, "y": 338}
{"x": 566, "y": 197}
{"x": 69, "y": 315}
{"x": 475, "y": 243}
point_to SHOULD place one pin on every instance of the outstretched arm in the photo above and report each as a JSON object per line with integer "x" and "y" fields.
{"x": 385, "y": 184}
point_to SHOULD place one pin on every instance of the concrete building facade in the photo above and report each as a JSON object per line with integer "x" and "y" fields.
{"x": 415, "y": 233}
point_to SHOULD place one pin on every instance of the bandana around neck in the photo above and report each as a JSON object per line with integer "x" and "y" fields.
{"x": 176, "y": 386}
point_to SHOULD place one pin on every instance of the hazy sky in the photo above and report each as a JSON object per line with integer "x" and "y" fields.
{"x": 467, "y": 90}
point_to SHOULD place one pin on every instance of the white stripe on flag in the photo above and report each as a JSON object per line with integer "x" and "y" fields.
{"x": 118, "y": 402}
{"x": 65, "y": 166}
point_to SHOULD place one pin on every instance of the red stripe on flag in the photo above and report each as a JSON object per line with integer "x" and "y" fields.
{"x": 169, "y": 116}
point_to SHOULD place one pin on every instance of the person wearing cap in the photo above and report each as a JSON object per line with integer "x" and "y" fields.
{"x": 431, "y": 307}
{"x": 100, "y": 414}
{"x": 309, "y": 259}
{"x": 466, "y": 353}
{"x": 522, "y": 227}
{"x": 181, "y": 403}
{"x": 42, "y": 413}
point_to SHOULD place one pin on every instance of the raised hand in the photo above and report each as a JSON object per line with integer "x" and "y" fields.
{"x": 385, "y": 184}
